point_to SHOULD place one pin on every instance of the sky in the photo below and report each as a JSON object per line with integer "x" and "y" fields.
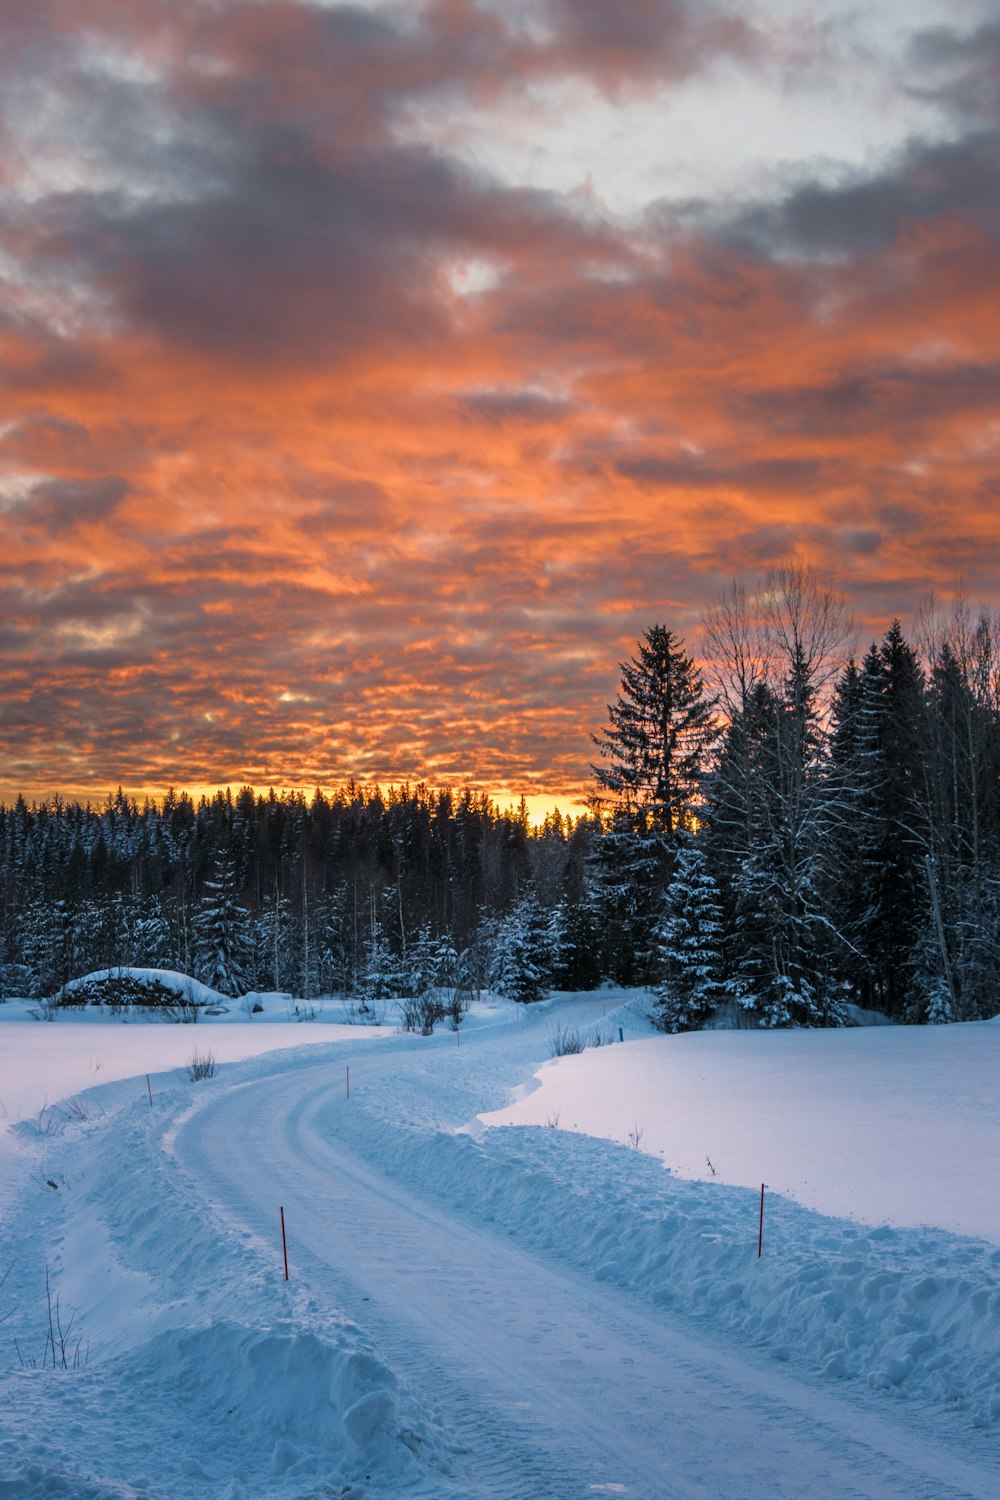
{"x": 371, "y": 376}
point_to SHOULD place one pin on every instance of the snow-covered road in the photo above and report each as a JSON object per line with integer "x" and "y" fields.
{"x": 546, "y": 1383}
{"x": 519, "y": 1314}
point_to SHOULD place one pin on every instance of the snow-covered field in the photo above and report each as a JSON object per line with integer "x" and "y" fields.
{"x": 894, "y": 1124}
{"x": 530, "y": 1313}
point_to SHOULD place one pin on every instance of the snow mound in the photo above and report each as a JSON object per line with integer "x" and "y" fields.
{"x": 300, "y": 1388}
{"x": 182, "y": 985}
{"x": 38, "y": 1481}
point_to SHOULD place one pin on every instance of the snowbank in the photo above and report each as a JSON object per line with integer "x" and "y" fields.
{"x": 212, "y": 1364}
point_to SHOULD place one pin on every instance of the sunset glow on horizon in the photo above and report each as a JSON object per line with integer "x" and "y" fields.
{"x": 371, "y": 376}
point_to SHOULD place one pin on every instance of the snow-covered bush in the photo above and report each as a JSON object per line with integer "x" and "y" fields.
{"x": 120, "y": 991}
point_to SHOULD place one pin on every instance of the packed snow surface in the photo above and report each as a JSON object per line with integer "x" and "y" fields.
{"x": 518, "y": 1313}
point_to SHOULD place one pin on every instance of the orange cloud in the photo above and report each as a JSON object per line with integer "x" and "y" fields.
{"x": 283, "y": 504}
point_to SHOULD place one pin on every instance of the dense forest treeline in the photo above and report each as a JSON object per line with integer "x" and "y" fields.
{"x": 780, "y": 832}
{"x": 364, "y": 892}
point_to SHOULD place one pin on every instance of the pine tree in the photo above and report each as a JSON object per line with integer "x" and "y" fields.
{"x": 690, "y": 944}
{"x": 380, "y": 977}
{"x": 150, "y": 945}
{"x": 275, "y": 947}
{"x": 773, "y": 657}
{"x": 46, "y": 947}
{"x": 655, "y": 746}
{"x": 961, "y": 862}
{"x": 879, "y": 843}
{"x": 221, "y": 929}
{"x": 522, "y": 961}
{"x": 576, "y": 945}
{"x": 656, "y": 741}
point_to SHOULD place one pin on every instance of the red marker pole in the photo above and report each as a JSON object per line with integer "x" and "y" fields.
{"x": 149, "y": 1091}
{"x": 284, "y": 1242}
{"x": 760, "y": 1232}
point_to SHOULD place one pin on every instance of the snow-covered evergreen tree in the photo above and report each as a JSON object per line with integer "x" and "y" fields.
{"x": 774, "y": 655}
{"x": 522, "y": 960}
{"x": 275, "y": 948}
{"x": 150, "y": 943}
{"x": 222, "y": 947}
{"x": 419, "y": 974}
{"x": 689, "y": 946}
{"x": 47, "y": 948}
{"x": 576, "y": 945}
{"x": 655, "y": 746}
{"x": 379, "y": 977}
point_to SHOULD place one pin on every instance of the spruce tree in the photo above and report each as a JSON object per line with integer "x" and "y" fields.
{"x": 222, "y": 939}
{"x": 522, "y": 962}
{"x": 655, "y": 746}
{"x": 689, "y": 944}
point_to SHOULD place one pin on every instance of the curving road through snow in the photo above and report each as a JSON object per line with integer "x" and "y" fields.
{"x": 465, "y": 1317}
{"x": 545, "y": 1382}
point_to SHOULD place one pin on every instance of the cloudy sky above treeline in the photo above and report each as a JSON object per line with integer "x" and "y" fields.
{"x": 372, "y": 375}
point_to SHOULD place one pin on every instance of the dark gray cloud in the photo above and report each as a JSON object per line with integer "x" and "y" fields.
{"x": 959, "y": 68}
{"x": 864, "y": 213}
{"x": 293, "y": 256}
{"x": 65, "y": 503}
{"x": 774, "y": 475}
{"x": 873, "y": 397}
{"x": 629, "y": 41}
{"x": 518, "y": 406}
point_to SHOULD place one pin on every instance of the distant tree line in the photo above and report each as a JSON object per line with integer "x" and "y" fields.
{"x": 780, "y": 833}
{"x": 365, "y": 893}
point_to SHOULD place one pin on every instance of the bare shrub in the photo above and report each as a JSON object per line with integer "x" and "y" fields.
{"x": 182, "y": 1013}
{"x": 419, "y": 1012}
{"x": 201, "y": 1065}
{"x": 50, "y": 1120}
{"x": 362, "y": 1011}
{"x": 456, "y": 1004}
{"x": 61, "y": 1351}
{"x": 566, "y": 1041}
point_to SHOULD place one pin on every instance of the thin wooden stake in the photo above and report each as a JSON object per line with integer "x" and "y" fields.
{"x": 760, "y": 1232}
{"x": 348, "y": 1080}
{"x": 284, "y": 1242}
{"x": 149, "y": 1091}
